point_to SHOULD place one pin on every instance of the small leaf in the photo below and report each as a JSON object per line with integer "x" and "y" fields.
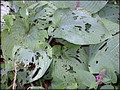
{"x": 24, "y": 12}
{"x": 9, "y": 19}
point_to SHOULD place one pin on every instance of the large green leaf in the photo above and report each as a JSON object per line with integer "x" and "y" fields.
{"x": 69, "y": 66}
{"x": 110, "y": 12}
{"x": 105, "y": 56}
{"x": 27, "y": 57}
{"x": 78, "y": 27}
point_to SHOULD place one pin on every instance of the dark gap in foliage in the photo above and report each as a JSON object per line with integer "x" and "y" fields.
{"x": 54, "y": 42}
{"x": 46, "y": 84}
{"x": 31, "y": 66}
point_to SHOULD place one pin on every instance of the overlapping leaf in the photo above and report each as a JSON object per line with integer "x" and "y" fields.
{"x": 70, "y": 67}
{"x": 110, "y": 12}
{"x": 105, "y": 56}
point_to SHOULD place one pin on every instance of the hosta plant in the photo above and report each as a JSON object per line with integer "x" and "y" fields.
{"x": 60, "y": 45}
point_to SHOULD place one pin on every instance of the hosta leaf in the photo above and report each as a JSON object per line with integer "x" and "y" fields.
{"x": 110, "y": 12}
{"x": 112, "y": 27}
{"x": 105, "y": 56}
{"x": 71, "y": 62}
{"x": 40, "y": 59}
{"x": 91, "y": 6}
{"x": 78, "y": 27}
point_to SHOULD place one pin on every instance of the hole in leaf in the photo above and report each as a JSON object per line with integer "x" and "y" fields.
{"x": 78, "y": 51}
{"x": 116, "y": 33}
{"x": 36, "y": 72}
{"x": 102, "y": 45}
{"x": 89, "y": 66}
{"x": 31, "y": 66}
{"x": 71, "y": 69}
{"x": 106, "y": 49}
{"x": 77, "y": 59}
{"x": 64, "y": 76}
{"x": 87, "y": 27}
{"x": 32, "y": 59}
{"x": 96, "y": 62}
{"x": 77, "y": 56}
{"x": 79, "y": 27}
{"x": 75, "y": 17}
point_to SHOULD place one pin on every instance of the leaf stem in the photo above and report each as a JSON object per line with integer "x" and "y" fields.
{"x": 15, "y": 75}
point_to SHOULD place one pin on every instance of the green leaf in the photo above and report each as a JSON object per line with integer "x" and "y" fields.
{"x": 40, "y": 59}
{"x": 110, "y": 12}
{"x": 105, "y": 56}
{"x": 71, "y": 63}
{"x": 24, "y": 12}
{"x": 79, "y": 27}
{"x": 112, "y": 27}
{"x": 9, "y": 19}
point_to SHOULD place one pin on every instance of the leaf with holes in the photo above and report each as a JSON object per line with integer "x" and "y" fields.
{"x": 35, "y": 63}
{"x": 78, "y": 27}
{"x": 71, "y": 63}
{"x": 105, "y": 56}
